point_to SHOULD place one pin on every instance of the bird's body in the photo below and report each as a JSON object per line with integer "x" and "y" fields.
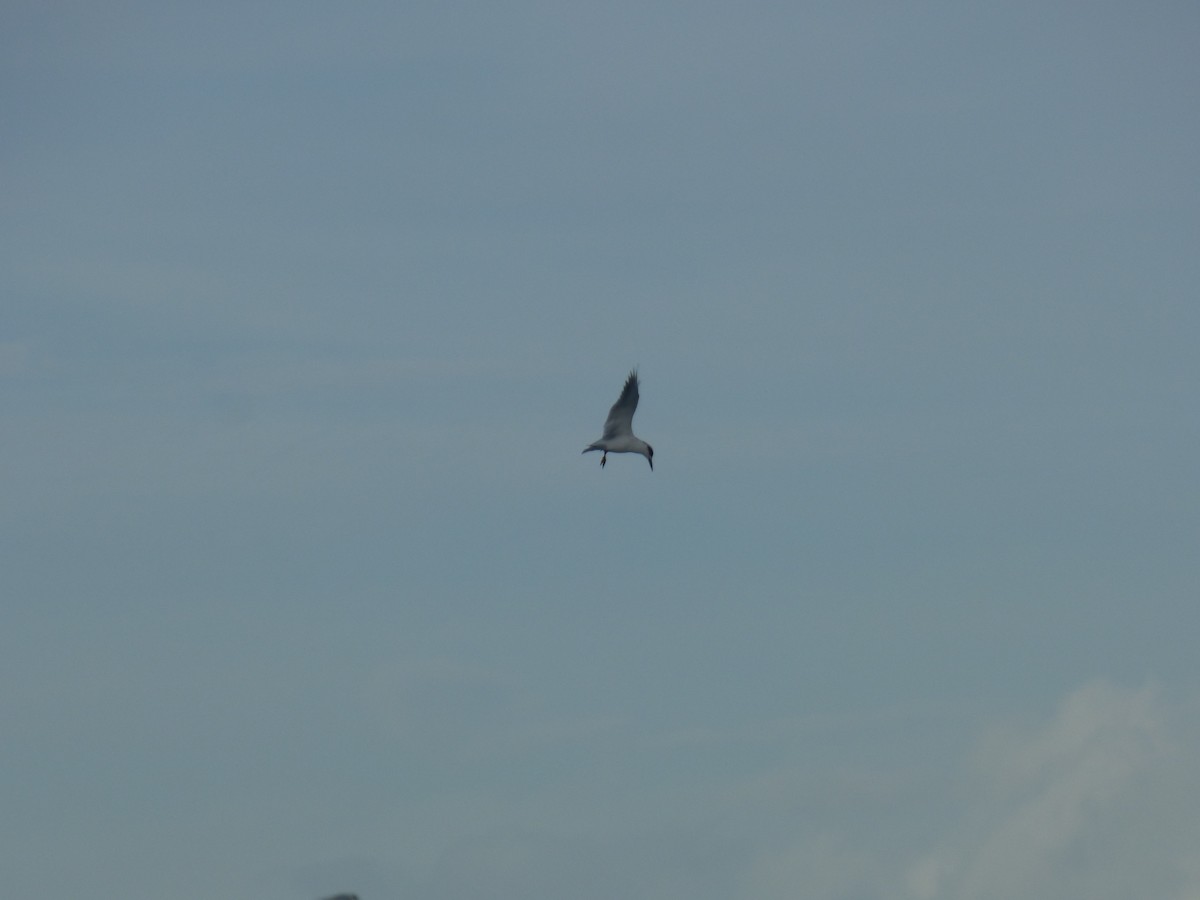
{"x": 618, "y": 427}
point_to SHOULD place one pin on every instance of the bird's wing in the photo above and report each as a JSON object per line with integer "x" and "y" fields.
{"x": 620, "y": 417}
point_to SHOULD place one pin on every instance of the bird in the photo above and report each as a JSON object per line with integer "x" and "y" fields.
{"x": 618, "y": 427}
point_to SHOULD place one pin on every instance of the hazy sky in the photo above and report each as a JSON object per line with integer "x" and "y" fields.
{"x": 307, "y": 311}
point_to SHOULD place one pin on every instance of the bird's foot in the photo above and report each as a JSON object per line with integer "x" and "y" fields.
{"x": 603, "y": 460}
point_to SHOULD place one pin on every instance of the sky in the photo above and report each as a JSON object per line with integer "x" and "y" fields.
{"x": 307, "y": 311}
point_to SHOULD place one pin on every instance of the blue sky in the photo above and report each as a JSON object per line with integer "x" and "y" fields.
{"x": 307, "y": 312}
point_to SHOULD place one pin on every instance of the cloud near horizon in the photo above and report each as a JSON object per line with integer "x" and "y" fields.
{"x": 1098, "y": 799}
{"x": 1069, "y": 808}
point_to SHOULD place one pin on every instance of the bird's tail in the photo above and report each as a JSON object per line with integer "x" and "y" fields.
{"x": 589, "y": 448}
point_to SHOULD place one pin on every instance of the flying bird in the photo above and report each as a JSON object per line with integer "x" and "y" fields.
{"x": 618, "y": 427}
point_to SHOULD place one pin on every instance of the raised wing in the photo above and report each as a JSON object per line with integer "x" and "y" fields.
{"x": 620, "y": 417}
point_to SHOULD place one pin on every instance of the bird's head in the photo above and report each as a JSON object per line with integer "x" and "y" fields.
{"x": 650, "y": 456}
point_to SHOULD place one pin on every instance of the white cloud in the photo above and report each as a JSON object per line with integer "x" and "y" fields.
{"x": 1062, "y": 810}
{"x": 1099, "y": 800}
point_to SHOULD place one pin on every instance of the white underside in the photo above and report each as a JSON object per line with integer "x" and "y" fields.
{"x": 626, "y": 443}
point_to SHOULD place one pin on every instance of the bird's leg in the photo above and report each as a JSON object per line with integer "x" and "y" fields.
{"x": 603, "y": 458}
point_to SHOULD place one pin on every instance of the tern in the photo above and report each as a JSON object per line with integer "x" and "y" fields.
{"x": 618, "y": 427}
